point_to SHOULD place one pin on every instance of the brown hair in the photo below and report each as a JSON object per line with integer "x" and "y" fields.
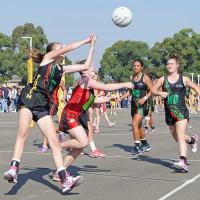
{"x": 174, "y": 56}
{"x": 81, "y": 61}
{"x": 37, "y": 56}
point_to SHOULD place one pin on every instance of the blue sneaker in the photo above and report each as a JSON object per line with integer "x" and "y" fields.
{"x": 145, "y": 147}
{"x": 136, "y": 150}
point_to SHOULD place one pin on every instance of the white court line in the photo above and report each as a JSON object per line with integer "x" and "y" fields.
{"x": 114, "y": 156}
{"x": 180, "y": 187}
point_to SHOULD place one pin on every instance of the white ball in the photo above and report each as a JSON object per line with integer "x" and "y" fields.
{"x": 122, "y": 16}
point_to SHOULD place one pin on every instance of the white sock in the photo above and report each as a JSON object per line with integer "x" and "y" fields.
{"x": 16, "y": 160}
{"x": 92, "y": 146}
{"x": 60, "y": 169}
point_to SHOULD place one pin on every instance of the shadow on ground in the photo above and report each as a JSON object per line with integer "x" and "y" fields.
{"x": 38, "y": 175}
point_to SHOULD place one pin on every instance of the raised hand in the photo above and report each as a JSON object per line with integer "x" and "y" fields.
{"x": 89, "y": 39}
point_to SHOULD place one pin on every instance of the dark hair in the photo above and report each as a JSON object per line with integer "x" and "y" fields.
{"x": 81, "y": 61}
{"x": 174, "y": 56}
{"x": 152, "y": 76}
{"x": 37, "y": 56}
{"x": 138, "y": 60}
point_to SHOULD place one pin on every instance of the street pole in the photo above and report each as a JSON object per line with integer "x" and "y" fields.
{"x": 198, "y": 76}
{"x": 192, "y": 74}
{"x": 30, "y": 61}
{"x": 30, "y": 40}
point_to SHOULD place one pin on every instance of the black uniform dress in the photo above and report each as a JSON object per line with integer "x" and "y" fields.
{"x": 36, "y": 97}
{"x": 175, "y": 106}
{"x": 140, "y": 90}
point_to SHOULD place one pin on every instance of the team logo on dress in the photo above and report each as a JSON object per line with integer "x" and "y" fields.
{"x": 140, "y": 84}
{"x": 179, "y": 85}
{"x": 71, "y": 120}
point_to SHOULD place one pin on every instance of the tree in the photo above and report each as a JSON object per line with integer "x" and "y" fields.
{"x": 13, "y": 53}
{"x": 186, "y": 43}
{"x": 117, "y": 60}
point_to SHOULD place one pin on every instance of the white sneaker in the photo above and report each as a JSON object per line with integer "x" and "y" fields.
{"x": 70, "y": 182}
{"x": 11, "y": 175}
{"x": 112, "y": 124}
{"x": 181, "y": 165}
{"x": 194, "y": 146}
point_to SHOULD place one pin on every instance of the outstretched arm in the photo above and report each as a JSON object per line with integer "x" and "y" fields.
{"x": 69, "y": 47}
{"x": 128, "y": 93}
{"x": 82, "y": 67}
{"x": 102, "y": 99}
{"x": 108, "y": 87}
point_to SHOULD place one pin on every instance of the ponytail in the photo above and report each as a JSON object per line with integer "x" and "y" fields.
{"x": 36, "y": 55}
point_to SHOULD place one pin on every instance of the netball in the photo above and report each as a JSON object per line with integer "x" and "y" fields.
{"x": 122, "y": 16}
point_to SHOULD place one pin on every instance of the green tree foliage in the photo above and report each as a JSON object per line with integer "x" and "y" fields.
{"x": 13, "y": 50}
{"x": 14, "y": 54}
{"x": 186, "y": 43}
{"x": 117, "y": 60}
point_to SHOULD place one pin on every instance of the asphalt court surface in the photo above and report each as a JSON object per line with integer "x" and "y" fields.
{"x": 120, "y": 175}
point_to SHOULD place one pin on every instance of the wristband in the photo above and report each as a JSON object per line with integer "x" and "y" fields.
{"x": 145, "y": 97}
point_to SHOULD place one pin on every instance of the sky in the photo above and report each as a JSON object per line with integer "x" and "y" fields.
{"x": 67, "y": 21}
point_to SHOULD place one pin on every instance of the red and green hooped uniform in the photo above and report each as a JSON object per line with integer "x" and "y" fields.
{"x": 175, "y": 107}
{"x": 75, "y": 112}
{"x": 36, "y": 96}
{"x": 140, "y": 90}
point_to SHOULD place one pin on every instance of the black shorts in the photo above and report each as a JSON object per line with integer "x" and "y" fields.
{"x": 71, "y": 120}
{"x": 33, "y": 100}
{"x": 36, "y": 102}
{"x": 37, "y": 114}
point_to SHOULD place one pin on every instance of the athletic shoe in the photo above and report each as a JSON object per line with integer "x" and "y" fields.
{"x": 146, "y": 129}
{"x": 181, "y": 165}
{"x": 145, "y": 147}
{"x": 112, "y": 124}
{"x": 97, "y": 154}
{"x": 11, "y": 175}
{"x": 153, "y": 128}
{"x": 83, "y": 152}
{"x": 194, "y": 146}
{"x": 61, "y": 137}
{"x": 70, "y": 182}
{"x": 96, "y": 130}
{"x": 94, "y": 126}
{"x": 76, "y": 179}
{"x": 136, "y": 150}
{"x": 42, "y": 149}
